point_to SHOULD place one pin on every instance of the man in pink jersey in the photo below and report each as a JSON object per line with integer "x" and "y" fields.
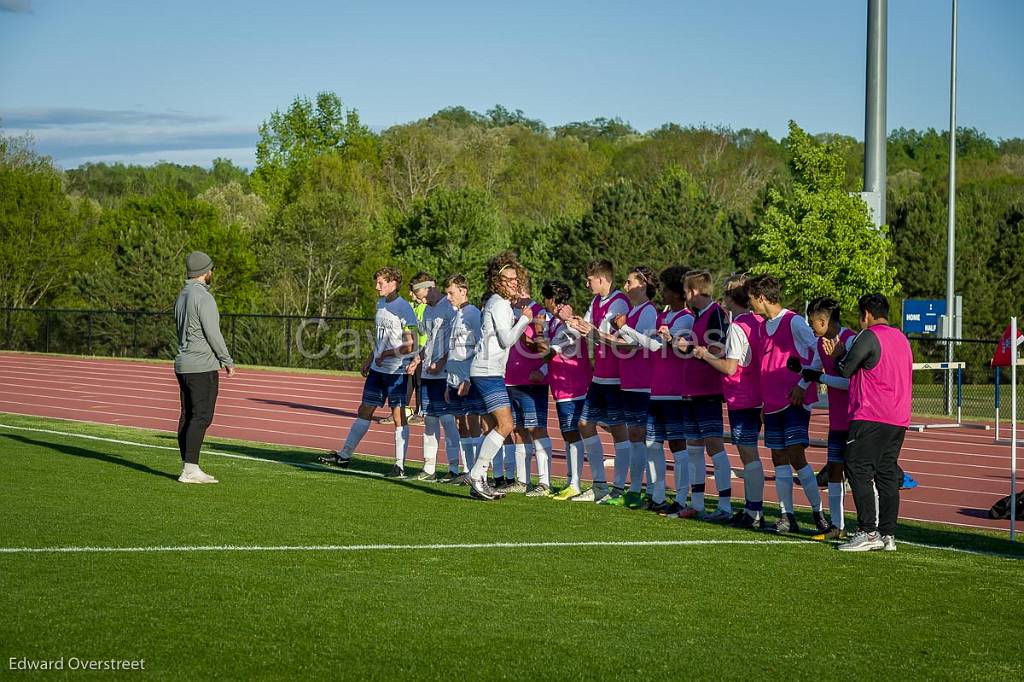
{"x": 665, "y": 408}
{"x": 879, "y": 366}
{"x": 603, "y": 404}
{"x": 787, "y": 341}
{"x": 569, "y": 374}
{"x": 741, "y": 383}
{"x": 823, "y": 315}
{"x": 635, "y": 376}
{"x": 703, "y": 397}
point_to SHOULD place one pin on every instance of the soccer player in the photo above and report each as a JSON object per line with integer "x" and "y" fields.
{"x": 435, "y": 332}
{"x": 665, "y": 409}
{"x": 635, "y": 376}
{"x": 703, "y": 397}
{"x": 787, "y": 340}
{"x": 386, "y": 371}
{"x": 499, "y": 330}
{"x": 740, "y": 367}
{"x": 464, "y": 400}
{"x": 569, "y": 375}
{"x": 823, "y": 315}
{"x": 603, "y": 404}
{"x": 879, "y": 367}
{"x": 527, "y": 382}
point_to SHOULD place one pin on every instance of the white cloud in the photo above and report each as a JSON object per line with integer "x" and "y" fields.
{"x": 75, "y": 135}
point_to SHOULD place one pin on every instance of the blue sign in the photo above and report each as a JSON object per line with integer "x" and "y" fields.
{"x": 921, "y": 316}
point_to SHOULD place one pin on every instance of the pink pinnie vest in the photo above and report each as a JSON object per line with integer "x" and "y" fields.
{"x": 776, "y": 379}
{"x": 743, "y": 389}
{"x": 606, "y": 364}
{"x": 636, "y": 368}
{"x": 883, "y": 393}
{"x": 522, "y": 360}
{"x": 568, "y": 375}
{"x": 838, "y": 399}
{"x": 700, "y": 378}
{"x": 668, "y": 364}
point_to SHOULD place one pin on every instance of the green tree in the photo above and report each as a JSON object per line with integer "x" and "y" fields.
{"x": 41, "y": 230}
{"x": 449, "y": 232}
{"x": 289, "y": 141}
{"x": 821, "y": 240}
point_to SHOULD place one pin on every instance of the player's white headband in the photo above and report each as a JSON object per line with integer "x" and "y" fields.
{"x": 429, "y": 284}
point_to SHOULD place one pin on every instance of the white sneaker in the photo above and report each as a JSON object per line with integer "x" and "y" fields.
{"x": 585, "y": 496}
{"x": 889, "y": 543}
{"x": 196, "y": 476}
{"x": 863, "y": 542}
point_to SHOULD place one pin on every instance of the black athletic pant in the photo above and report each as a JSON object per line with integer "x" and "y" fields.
{"x": 198, "y": 398}
{"x": 872, "y": 451}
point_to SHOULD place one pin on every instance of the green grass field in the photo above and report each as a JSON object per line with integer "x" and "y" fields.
{"x": 775, "y": 608}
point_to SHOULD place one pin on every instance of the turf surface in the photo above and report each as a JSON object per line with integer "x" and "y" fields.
{"x": 795, "y": 610}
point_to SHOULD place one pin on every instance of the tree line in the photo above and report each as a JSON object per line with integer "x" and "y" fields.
{"x": 330, "y": 200}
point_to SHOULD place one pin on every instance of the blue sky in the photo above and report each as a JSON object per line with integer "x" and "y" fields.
{"x": 188, "y": 81}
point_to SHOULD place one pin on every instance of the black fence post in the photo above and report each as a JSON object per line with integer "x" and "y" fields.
{"x": 233, "y": 349}
{"x": 10, "y": 331}
{"x": 135, "y": 335}
{"x": 46, "y": 332}
{"x": 88, "y": 318}
{"x": 288, "y": 339}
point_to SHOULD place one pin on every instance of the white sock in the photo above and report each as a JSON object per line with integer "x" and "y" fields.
{"x": 468, "y": 452}
{"x": 452, "y": 443}
{"x": 753, "y": 487}
{"x": 723, "y": 485}
{"x": 784, "y": 487}
{"x": 188, "y": 468}
{"x": 656, "y": 470}
{"x": 574, "y": 454}
{"x": 623, "y": 454}
{"x": 355, "y": 434}
{"x": 835, "y": 505}
{"x": 698, "y": 474}
{"x": 488, "y": 449}
{"x": 522, "y": 473}
{"x": 542, "y": 449}
{"x": 431, "y": 429}
{"x": 401, "y": 445}
{"x": 595, "y": 455}
{"x": 637, "y": 464}
{"x": 681, "y": 466}
{"x": 809, "y": 482}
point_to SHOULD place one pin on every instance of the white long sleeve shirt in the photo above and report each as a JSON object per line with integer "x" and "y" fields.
{"x": 499, "y": 330}
{"x": 465, "y": 334}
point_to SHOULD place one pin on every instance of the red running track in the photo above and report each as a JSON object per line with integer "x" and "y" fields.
{"x": 960, "y": 471}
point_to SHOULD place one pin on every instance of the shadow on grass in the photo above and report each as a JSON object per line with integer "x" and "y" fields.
{"x": 360, "y": 466}
{"x": 89, "y": 454}
{"x": 305, "y": 406}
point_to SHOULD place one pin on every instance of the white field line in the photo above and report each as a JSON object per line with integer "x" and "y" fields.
{"x": 319, "y": 467}
{"x": 218, "y": 453}
{"x": 391, "y": 547}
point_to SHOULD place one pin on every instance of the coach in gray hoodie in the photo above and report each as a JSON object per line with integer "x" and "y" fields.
{"x": 201, "y": 354}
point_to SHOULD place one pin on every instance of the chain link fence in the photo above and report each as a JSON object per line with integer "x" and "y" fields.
{"x": 974, "y": 388}
{"x": 341, "y": 343}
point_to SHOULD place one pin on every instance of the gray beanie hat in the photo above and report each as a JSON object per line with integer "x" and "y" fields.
{"x": 198, "y": 263}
